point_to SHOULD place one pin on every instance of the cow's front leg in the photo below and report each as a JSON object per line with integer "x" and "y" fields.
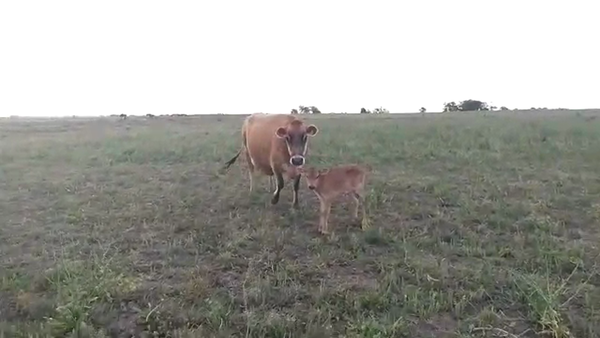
{"x": 296, "y": 187}
{"x": 279, "y": 180}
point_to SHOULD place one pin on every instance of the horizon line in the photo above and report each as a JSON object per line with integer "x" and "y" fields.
{"x": 303, "y": 114}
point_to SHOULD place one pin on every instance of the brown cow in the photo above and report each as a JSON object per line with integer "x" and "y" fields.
{"x": 328, "y": 184}
{"x": 272, "y": 144}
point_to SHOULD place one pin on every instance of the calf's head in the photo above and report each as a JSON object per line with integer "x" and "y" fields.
{"x": 312, "y": 175}
{"x": 296, "y": 139}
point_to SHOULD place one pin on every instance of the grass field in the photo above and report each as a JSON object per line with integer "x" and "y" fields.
{"x": 481, "y": 226}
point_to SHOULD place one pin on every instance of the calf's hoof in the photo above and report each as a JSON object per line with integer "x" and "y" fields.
{"x": 365, "y": 224}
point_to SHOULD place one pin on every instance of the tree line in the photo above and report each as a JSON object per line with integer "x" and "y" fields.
{"x": 476, "y": 105}
{"x": 466, "y": 105}
{"x": 315, "y": 110}
{"x": 469, "y": 105}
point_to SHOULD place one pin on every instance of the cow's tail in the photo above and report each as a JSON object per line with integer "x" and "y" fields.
{"x": 244, "y": 147}
{"x": 232, "y": 160}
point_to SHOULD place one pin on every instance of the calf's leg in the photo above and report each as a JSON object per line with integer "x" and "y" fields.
{"x": 359, "y": 200}
{"x": 324, "y": 217}
{"x": 356, "y": 198}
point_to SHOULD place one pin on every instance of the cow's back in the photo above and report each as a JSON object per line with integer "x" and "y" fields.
{"x": 260, "y": 136}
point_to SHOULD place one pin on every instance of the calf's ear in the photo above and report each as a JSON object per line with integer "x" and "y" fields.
{"x": 312, "y": 130}
{"x": 281, "y": 132}
{"x": 323, "y": 172}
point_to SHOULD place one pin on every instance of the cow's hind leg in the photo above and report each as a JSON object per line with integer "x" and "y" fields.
{"x": 272, "y": 184}
{"x": 279, "y": 180}
{"x": 250, "y": 178}
{"x": 250, "y": 169}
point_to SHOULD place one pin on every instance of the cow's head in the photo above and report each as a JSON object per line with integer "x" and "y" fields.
{"x": 296, "y": 138}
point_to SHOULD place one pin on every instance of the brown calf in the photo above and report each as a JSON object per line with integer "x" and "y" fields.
{"x": 272, "y": 144}
{"x": 328, "y": 184}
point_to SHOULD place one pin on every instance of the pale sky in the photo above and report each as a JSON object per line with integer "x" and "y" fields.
{"x": 238, "y": 57}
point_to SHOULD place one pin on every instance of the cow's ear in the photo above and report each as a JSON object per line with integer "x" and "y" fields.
{"x": 281, "y": 132}
{"x": 312, "y": 130}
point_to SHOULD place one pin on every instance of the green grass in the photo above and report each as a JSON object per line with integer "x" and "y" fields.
{"x": 480, "y": 225}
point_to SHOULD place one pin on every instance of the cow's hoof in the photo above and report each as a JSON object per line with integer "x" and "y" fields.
{"x": 274, "y": 200}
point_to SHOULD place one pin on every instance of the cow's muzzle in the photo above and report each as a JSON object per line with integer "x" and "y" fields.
{"x": 297, "y": 161}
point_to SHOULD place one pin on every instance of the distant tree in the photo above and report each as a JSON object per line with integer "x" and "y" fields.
{"x": 380, "y": 110}
{"x": 123, "y": 116}
{"x": 472, "y": 105}
{"x": 422, "y": 110}
{"x": 493, "y": 107}
{"x": 150, "y": 115}
{"x": 303, "y": 109}
{"x": 504, "y": 108}
{"x": 450, "y": 106}
{"x": 364, "y": 111}
{"x": 314, "y": 110}
{"x": 306, "y": 110}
